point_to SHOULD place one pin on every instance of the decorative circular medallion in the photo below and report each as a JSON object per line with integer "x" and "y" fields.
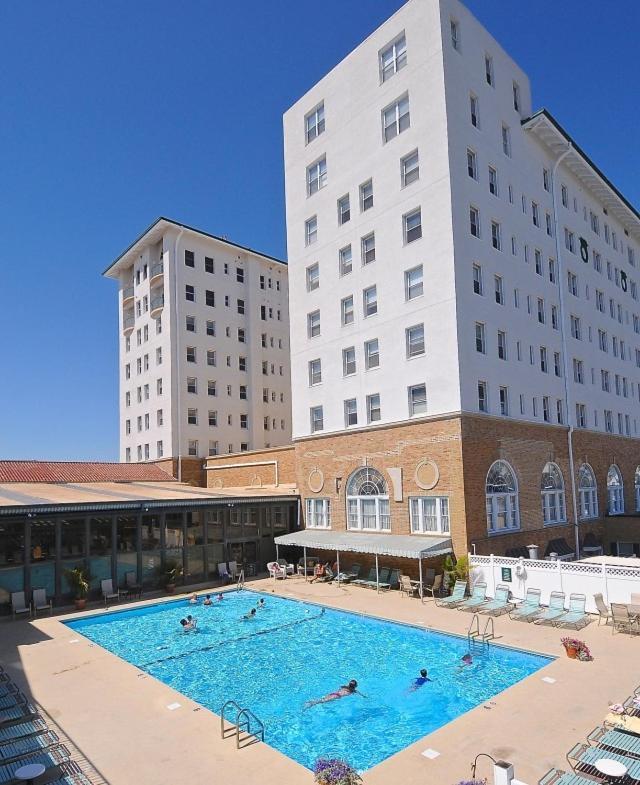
{"x": 427, "y": 475}
{"x": 218, "y": 483}
{"x": 315, "y": 481}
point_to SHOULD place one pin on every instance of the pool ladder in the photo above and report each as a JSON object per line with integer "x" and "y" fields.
{"x": 244, "y": 722}
{"x": 475, "y": 635}
{"x": 240, "y": 580}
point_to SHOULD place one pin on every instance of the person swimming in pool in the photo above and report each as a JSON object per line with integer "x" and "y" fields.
{"x": 220, "y": 597}
{"x": 346, "y": 689}
{"x": 250, "y": 615}
{"x": 260, "y": 603}
{"x": 193, "y": 600}
{"x": 423, "y": 678}
{"x": 208, "y": 600}
{"x": 189, "y": 623}
{"x": 465, "y": 661}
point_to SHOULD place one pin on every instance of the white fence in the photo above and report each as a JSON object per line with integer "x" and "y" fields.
{"x": 615, "y": 583}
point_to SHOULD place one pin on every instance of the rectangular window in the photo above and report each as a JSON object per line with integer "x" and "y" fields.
{"x": 506, "y": 140}
{"x": 554, "y": 317}
{"x": 535, "y": 214}
{"x": 211, "y": 357}
{"x": 211, "y": 388}
{"x": 472, "y": 164}
{"x": 541, "y": 311}
{"x": 370, "y": 301}
{"x": 240, "y": 306}
{"x": 564, "y": 195}
{"x": 311, "y": 230}
{"x": 415, "y": 340}
{"x": 190, "y": 324}
{"x": 190, "y": 293}
{"x": 548, "y": 221}
{"x": 396, "y": 118}
{"x": 242, "y": 364}
{"x": 371, "y": 354}
{"x": 241, "y": 335}
{"x": 373, "y": 408}
{"x": 474, "y": 109}
{"x": 313, "y": 324}
{"x": 191, "y": 354}
{"x": 546, "y": 180}
{"x": 314, "y": 123}
{"x": 572, "y": 283}
{"x": 483, "y": 402}
{"x": 345, "y": 260}
{"x": 412, "y": 225}
{"x": 409, "y": 168}
{"x": 488, "y": 70}
{"x": 477, "y": 279}
{"x": 543, "y": 360}
{"x": 413, "y": 283}
{"x": 493, "y": 181}
{"x": 346, "y": 309}
{"x": 504, "y": 401}
{"x": 576, "y": 328}
{"x": 429, "y": 514}
{"x": 417, "y": 399}
{"x": 368, "y": 248}
{"x": 315, "y": 372}
{"x": 557, "y": 364}
{"x": 189, "y": 259}
{"x": 316, "y": 176}
{"x": 578, "y": 371}
{"x": 393, "y": 58}
{"x": 210, "y": 298}
{"x": 474, "y": 221}
{"x": 313, "y": 277}
{"x": 455, "y": 35}
{"x": 546, "y": 414}
{"x": 208, "y": 264}
{"x": 581, "y": 415}
{"x": 480, "y": 338}
{"x": 499, "y": 289}
{"x": 318, "y": 514}
{"x": 344, "y": 210}
{"x": 350, "y": 412}
{"x": 192, "y": 384}
{"x": 348, "y": 361}
{"x": 192, "y": 447}
{"x": 192, "y": 416}
{"x": 239, "y": 275}
{"x": 496, "y": 235}
{"x": 366, "y": 196}
{"x": 502, "y": 345}
{"x": 569, "y": 240}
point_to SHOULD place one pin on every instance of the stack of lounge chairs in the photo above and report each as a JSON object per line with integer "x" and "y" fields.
{"x": 387, "y": 579}
{"x": 617, "y": 740}
{"x": 25, "y": 739}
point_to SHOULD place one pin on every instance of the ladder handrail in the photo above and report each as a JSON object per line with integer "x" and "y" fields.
{"x": 471, "y": 633}
{"x": 240, "y": 580}
{"x": 249, "y": 716}
{"x": 485, "y": 634}
{"x": 222, "y": 711}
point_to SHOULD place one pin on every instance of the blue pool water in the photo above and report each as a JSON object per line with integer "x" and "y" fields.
{"x": 292, "y": 652}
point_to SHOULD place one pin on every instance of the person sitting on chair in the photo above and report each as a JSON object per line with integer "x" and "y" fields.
{"x": 319, "y": 572}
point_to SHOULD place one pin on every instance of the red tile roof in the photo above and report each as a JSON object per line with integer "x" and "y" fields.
{"x": 76, "y": 471}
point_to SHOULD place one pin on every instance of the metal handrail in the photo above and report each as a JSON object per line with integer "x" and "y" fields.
{"x": 157, "y": 269}
{"x": 228, "y": 703}
{"x": 485, "y": 634}
{"x": 240, "y": 580}
{"x": 249, "y": 715}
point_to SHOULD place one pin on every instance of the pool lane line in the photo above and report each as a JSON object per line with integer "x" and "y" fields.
{"x": 212, "y": 646}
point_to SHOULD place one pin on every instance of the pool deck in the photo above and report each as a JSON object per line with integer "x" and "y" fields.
{"x": 118, "y": 717}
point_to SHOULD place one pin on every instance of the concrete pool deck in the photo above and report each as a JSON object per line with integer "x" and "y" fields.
{"x": 119, "y": 718}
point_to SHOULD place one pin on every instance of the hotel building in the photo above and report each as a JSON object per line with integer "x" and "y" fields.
{"x": 465, "y": 323}
{"x": 204, "y": 348}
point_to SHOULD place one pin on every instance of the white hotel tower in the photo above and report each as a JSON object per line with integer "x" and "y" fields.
{"x": 204, "y": 346}
{"x": 450, "y": 249}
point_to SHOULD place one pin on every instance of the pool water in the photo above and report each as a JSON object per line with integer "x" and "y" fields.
{"x": 293, "y": 652}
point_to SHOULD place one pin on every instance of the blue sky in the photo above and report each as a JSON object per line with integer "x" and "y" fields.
{"x": 114, "y": 113}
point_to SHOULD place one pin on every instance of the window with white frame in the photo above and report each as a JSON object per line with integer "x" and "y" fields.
{"x": 477, "y": 279}
{"x": 396, "y": 118}
{"x": 316, "y": 419}
{"x": 587, "y": 493}
{"x": 415, "y": 340}
{"x": 314, "y": 123}
{"x": 313, "y": 276}
{"x": 410, "y": 168}
{"x": 474, "y": 221}
{"x": 483, "y": 400}
{"x": 368, "y": 248}
{"x": 493, "y": 181}
{"x": 615, "y": 491}
{"x": 553, "y": 498}
{"x": 474, "y": 109}
{"x": 455, "y": 34}
{"x": 371, "y": 354}
{"x": 488, "y": 70}
{"x": 516, "y": 96}
{"x": 373, "y": 408}
{"x": 346, "y": 309}
{"x": 412, "y": 226}
{"x": 318, "y": 514}
{"x": 370, "y": 301}
{"x": 417, "y": 399}
{"x": 315, "y": 372}
{"x": 501, "y": 490}
{"x": 345, "y": 260}
{"x": 366, "y": 196}
{"x": 348, "y": 361}
{"x": 496, "y": 235}
{"x": 413, "y": 283}
{"x": 506, "y": 140}
{"x": 368, "y": 501}
{"x": 313, "y": 324}
{"x": 316, "y": 176}
{"x": 350, "y": 412}
{"x": 393, "y": 58}
{"x": 472, "y": 164}
{"x": 429, "y": 514}
{"x": 344, "y": 210}
{"x": 311, "y": 230}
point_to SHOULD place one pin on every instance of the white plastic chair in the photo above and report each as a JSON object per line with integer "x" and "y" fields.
{"x": 19, "y": 604}
{"x": 108, "y": 592}
{"x": 40, "y": 602}
{"x": 276, "y": 570}
{"x": 233, "y": 569}
{"x": 223, "y": 572}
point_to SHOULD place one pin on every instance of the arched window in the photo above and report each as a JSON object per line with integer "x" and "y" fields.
{"x": 587, "y": 492}
{"x": 368, "y": 501}
{"x": 637, "y": 487}
{"x": 615, "y": 490}
{"x": 503, "y": 512}
{"x": 552, "y": 489}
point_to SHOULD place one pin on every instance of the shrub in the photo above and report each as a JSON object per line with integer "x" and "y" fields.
{"x": 333, "y": 771}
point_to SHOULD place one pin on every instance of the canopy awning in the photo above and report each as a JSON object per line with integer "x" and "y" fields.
{"x": 403, "y": 545}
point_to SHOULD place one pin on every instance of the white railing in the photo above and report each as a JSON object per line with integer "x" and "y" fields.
{"x": 615, "y": 583}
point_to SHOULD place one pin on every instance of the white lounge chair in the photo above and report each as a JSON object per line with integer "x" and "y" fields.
{"x": 276, "y": 570}
{"x": 40, "y": 602}
{"x": 233, "y": 569}
{"x": 19, "y": 604}
{"x": 108, "y": 592}
{"x": 223, "y": 572}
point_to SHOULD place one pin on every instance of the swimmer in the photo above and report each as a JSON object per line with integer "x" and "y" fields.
{"x": 250, "y": 615}
{"x": 189, "y": 623}
{"x": 260, "y": 603}
{"x": 193, "y": 600}
{"x": 208, "y": 600}
{"x": 465, "y": 661}
{"x": 220, "y": 597}
{"x": 423, "y": 678}
{"x": 341, "y": 692}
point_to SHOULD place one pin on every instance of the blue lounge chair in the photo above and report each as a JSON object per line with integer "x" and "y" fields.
{"x": 457, "y": 596}
{"x": 26, "y": 745}
{"x": 478, "y": 597}
{"x": 559, "y": 777}
{"x": 394, "y": 579}
{"x": 12, "y": 732}
{"x": 8, "y": 688}
{"x": 499, "y": 604}
{"x": 587, "y": 756}
{"x": 351, "y": 574}
{"x": 363, "y": 582}
{"x": 626, "y": 743}
{"x": 383, "y": 579}
{"x": 555, "y": 609}
{"x": 23, "y": 710}
{"x": 576, "y": 616}
{"x": 12, "y": 699}
{"x": 52, "y": 757}
{"x": 529, "y": 608}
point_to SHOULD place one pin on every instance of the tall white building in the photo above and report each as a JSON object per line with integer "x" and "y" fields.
{"x": 204, "y": 346}
{"x": 452, "y": 250}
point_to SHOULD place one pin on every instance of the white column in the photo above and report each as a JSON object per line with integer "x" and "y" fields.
{"x": 377, "y": 576}
{"x": 304, "y": 554}
{"x": 420, "y": 576}
{"x": 338, "y": 563}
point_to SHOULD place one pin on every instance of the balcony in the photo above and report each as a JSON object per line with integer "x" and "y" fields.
{"x": 127, "y": 295}
{"x": 157, "y": 273}
{"x": 128, "y": 323}
{"x": 157, "y": 304}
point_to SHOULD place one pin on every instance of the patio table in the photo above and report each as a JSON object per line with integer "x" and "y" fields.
{"x": 29, "y": 772}
{"x": 613, "y": 770}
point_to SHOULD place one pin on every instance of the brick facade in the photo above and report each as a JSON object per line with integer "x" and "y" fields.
{"x": 192, "y": 470}
{"x": 259, "y": 467}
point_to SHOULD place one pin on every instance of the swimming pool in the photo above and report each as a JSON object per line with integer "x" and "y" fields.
{"x": 292, "y": 652}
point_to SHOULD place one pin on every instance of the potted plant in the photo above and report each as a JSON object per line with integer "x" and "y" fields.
{"x": 333, "y": 771}
{"x": 576, "y": 649}
{"x": 78, "y": 579}
{"x": 453, "y": 571}
{"x": 169, "y": 574}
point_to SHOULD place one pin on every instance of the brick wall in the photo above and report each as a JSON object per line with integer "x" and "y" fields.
{"x": 192, "y": 470}
{"x": 251, "y": 475}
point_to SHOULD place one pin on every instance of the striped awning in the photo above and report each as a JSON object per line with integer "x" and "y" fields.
{"x": 403, "y": 545}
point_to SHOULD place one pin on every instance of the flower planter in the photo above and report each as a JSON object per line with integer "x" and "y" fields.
{"x": 170, "y": 588}
{"x": 80, "y": 603}
{"x": 572, "y": 652}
